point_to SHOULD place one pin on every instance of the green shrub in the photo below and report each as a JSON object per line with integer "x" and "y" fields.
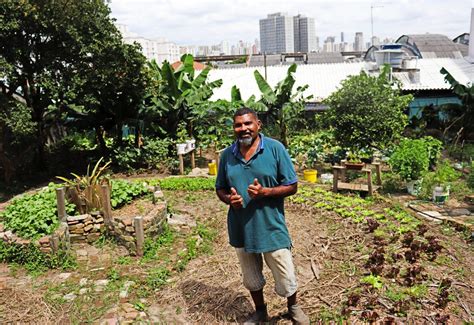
{"x": 154, "y": 154}
{"x": 308, "y": 149}
{"x": 124, "y": 192}
{"x": 34, "y": 215}
{"x": 444, "y": 176}
{"x": 410, "y": 159}
{"x": 434, "y": 147}
{"x": 366, "y": 112}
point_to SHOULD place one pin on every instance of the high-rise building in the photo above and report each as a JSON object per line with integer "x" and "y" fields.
{"x": 277, "y": 33}
{"x": 359, "y": 42}
{"x": 304, "y": 34}
{"x": 329, "y": 44}
{"x": 342, "y": 37}
{"x": 159, "y": 49}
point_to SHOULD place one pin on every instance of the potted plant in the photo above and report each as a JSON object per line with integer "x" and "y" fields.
{"x": 182, "y": 135}
{"x": 411, "y": 161}
{"x": 354, "y": 161}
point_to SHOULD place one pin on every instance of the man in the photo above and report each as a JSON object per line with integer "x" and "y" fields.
{"x": 255, "y": 175}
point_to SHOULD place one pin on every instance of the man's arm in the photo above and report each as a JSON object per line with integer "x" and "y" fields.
{"x": 257, "y": 191}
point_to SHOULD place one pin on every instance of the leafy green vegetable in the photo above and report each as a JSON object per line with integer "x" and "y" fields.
{"x": 124, "y": 192}
{"x": 34, "y": 215}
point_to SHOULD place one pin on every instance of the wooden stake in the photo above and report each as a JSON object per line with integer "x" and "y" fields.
{"x": 181, "y": 165}
{"x": 106, "y": 204}
{"x": 193, "y": 162}
{"x": 61, "y": 203}
{"x": 139, "y": 234}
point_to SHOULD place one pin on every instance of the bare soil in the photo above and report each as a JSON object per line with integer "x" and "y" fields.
{"x": 331, "y": 254}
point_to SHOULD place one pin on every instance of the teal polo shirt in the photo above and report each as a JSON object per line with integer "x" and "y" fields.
{"x": 259, "y": 226}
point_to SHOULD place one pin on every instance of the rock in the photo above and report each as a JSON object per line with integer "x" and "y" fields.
{"x": 101, "y": 283}
{"x": 83, "y": 282}
{"x": 127, "y": 222}
{"x": 128, "y": 307}
{"x": 130, "y": 229}
{"x": 2, "y": 228}
{"x": 78, "y": 218}
{"x": 77, "y": 238}
{"x": 64, "y": 276}
{"x": 83, "y": 291}
{"x": 124, "y": 292}
{"x": 180, "y": 220}
{"x": 78, "y": 231}
{"x": 199, "y": 172}
{"x": 128, "y": 239}
{"x": 44, "y": 240}
{"x": 45, "y": 250}
{"x": 81, "y": 252}
{"x": 88, "y": 228}
{"x": 99, "y": 220}
{"x": 93, "y": 237}
{"x": 459, "y": 212}
{"x": 131, "y": 315}
{"x": 69, "y": 297}
{"x": 158, "y": 195}
{"x": 8, "y": 234}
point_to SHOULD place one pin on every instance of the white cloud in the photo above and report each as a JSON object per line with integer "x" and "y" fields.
{"x": 211, "y": 21}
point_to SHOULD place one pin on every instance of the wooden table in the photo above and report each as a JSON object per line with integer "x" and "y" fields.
{"x": 340, "y": 183}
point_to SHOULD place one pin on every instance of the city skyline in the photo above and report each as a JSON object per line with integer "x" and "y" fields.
{"x": 210, "y": 21}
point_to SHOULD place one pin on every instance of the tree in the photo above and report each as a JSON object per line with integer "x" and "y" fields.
{"x": 461, "y": 115}
{"x": 366, "y": 113}
{"x": 283, "y": 107}
{"x": 53, "y": 47}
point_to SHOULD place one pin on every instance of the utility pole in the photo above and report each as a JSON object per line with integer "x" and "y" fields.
{"x": 372, "y": 6}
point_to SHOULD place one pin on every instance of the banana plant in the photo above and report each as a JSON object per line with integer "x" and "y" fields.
{"x": 462, "y": 115}
{"x": 283, "y": 106}
{"x": 177, "y": 92}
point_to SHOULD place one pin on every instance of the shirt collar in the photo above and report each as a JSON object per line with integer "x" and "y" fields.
{"x": 235, "y": 145}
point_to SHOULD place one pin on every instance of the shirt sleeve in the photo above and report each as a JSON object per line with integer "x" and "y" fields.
{"x": 286, "y": 171}
{"x": 221, "y": 179}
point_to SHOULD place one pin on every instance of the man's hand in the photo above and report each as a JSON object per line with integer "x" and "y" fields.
{"x": 236, "y": 200}
{"x": 256, "y": 190}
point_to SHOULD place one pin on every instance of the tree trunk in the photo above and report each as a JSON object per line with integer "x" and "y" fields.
{"x": 99, "y": 131}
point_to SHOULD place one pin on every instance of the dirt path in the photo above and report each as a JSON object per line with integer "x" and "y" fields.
{"x": 331, "y": 255}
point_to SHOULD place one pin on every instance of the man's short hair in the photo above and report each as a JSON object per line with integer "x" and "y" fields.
{"x": 244, "y": 111}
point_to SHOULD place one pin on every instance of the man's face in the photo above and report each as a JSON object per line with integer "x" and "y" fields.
{"x": 246, "y": 128}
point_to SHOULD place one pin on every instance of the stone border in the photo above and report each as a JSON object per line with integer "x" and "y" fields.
{"x": 47, "y": 244}
{"x": 129, "y": 232}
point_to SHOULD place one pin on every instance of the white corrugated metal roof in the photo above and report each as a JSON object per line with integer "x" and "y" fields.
{"x": 324, "y": 79}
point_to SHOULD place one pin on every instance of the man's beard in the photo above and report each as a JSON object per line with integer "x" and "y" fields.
{"x": 246, "y": 141}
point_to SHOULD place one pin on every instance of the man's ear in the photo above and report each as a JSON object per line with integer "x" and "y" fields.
{"x": 259, "y": 123}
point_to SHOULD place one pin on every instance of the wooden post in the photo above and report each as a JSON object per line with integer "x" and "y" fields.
{"x": 193, "y": 162}
{"x": 139, "y": 234}
{"x": 378, "y": 172}
{"x": 335, "y": 178}
{"x": 61, "y": 202}
{"x": 369, "y": 181}
{"x": 106, "y": 204}
{"x": 181, "y": 165}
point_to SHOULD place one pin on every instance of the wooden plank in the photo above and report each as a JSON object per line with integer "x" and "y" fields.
{"x": 355, "y": 187}
{"x": 335, "y": 180}
{"x": 193, "y": 161}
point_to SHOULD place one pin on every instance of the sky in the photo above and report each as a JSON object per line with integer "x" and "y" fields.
{"x": 208, "y": 22}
